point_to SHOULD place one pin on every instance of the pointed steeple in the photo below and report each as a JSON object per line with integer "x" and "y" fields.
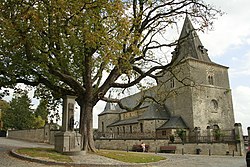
{"x": 189, "y": 45}
{"x": 109, "y": 108}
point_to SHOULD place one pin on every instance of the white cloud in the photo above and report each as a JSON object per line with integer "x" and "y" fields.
{"x": 230, "y": 30}
{"x": 243, "y": 66}
{"x": 241, "y": 97}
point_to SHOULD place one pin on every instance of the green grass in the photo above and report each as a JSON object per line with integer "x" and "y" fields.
{"x": 44, "y": 153}
{"x": 130, "y": 157}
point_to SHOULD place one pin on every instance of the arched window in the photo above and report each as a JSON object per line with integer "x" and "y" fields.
{"x": 210, "y": 80}
{"x": 141, "y": 127}
{"x": 216, "y": 127}
{"x": 172, "y": 84}
{"x": 214, "y": 104}
{"x": 124, "y": 131}
{"x": 216, "y": 132}
{"x": 102, "y": 127}
{"x": 131, "y": 129}
{"x": 118, "y": 130}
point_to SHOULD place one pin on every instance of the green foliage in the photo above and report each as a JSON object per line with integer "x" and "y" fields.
{"x": 4, "y": 105}
{"x": 181, "y": 133}
{"x": 38, "y": 122}
{"x": 172, "y": 138}
{"x": 19, "y": 115}
{"x": 42, "y": 112}
{"x": 218, "y": 134}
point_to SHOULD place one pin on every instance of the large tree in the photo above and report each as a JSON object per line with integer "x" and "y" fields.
{"x": 87, "y": 47}
{"x": 19, "y": 115}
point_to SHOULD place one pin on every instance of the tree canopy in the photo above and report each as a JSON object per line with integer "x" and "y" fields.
{"x": 87, "y": 47}
{"x": 42, "y": 110}
{"x": 19, "y": 115}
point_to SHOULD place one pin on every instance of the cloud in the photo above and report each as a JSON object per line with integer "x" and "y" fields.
{"x": 241, "y": 97}
{"x": 242, "y": 68}
{"x": 231, "y": 29}
{"x": 99, "y": 107}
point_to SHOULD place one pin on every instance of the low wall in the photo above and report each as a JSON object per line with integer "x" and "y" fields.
{"x": 36, "y": 135}
{"x": 186, "y": 148}
{"x": 45, "y": 135}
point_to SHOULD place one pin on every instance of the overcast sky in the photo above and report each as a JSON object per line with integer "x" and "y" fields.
{"x": 228, "y": 44}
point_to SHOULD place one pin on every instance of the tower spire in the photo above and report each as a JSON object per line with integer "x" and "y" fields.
{"x": 109, "y": 106}
{"x": 189, "y": 45}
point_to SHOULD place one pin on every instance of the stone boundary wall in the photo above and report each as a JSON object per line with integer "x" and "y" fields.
{"x": 187, "y": 148}
{"x": 44, "y": 135}
{"x": 36, "y": 135}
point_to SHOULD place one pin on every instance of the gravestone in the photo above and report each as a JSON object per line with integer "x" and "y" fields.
{"x": 68, "y": 141}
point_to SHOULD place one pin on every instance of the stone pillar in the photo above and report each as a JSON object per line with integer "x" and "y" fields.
{"x": 239, "y": 138}
{"x": 209, "y": 134}
{"x": 68, "y": 141}
{"x": 68, "y": 113}
{"x": 248, "y": 132}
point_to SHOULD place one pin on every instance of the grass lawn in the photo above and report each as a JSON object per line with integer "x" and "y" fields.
{"x": 130, "y": 157}
{"x": 45, "y": 153}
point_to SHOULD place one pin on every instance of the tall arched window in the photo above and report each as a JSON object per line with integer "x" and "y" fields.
{"x": 172, "y": 84}
{"x": 210, "y": 80}
{"x": 102, "y": 127}
{"x": 214, "y": 104}
{"x": 131, "y": 129}
{"x": 118, "y": 130}
{"x": 124, "y": 131}
{"x": 141, "y": 127}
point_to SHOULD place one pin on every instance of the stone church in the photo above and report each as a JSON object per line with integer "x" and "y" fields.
{"x": 193, "y": 96}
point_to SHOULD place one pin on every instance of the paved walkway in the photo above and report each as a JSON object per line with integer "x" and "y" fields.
{"x": 173, "y": 160}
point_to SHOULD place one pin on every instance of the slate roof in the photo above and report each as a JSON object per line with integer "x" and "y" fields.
{"x": 155, "y": 112}
{"x": 189, "y": 45}
{"x": 175, "y": 122}
{"x": 109, "y": 109}
{"x": 125, "y": 122}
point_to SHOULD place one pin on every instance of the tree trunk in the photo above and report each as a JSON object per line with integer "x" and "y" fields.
{"x": 86, "y": 126}
{"x": 89, "y": 119}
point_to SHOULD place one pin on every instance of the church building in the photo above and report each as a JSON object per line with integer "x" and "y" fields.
{"x": 192, "y": 96}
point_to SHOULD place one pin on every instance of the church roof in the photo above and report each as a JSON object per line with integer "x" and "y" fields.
{"x": 125, "y": 122}
{"x": 189, "y": 45}
{"x": 109, "y": 109}
{"x": 153, "y": 112}
{"x": 175, "y": 122}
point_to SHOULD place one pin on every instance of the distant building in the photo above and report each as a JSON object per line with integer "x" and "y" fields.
{"x": 193, "y": 95}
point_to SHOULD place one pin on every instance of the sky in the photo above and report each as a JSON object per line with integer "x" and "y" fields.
{"x": 228, "y": 44}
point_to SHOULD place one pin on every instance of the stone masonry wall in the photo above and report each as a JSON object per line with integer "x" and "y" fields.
{"x": 36, "y": 135}
{"x": 154, "y": 146}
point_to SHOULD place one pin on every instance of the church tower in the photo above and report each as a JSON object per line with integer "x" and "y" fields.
{"x": 202, "y": 94}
